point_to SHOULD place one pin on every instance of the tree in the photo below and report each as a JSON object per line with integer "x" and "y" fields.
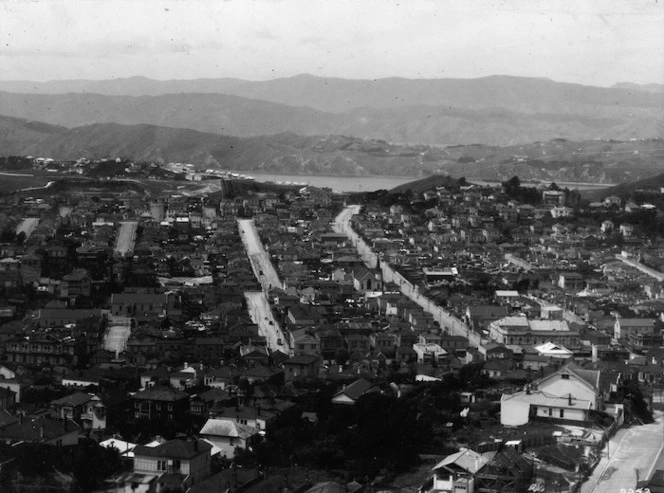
{"x": 512, "y": 186}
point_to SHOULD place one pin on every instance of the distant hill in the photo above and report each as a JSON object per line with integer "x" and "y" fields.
{"x": 560, "y": 160}
{"x": 418, "y": 187}
{"x": 497, "y": 110}
{"x": 653, "y": 88}
{"x": 522, "y": 94}
{"x": 626, "y": 190}
{"x": 282, "y": 153}
{"x": 16, "y": 134}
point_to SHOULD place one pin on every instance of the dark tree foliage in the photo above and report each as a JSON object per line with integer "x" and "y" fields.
{"x": 89, "y": 463}
{"x": 635, "y": 404}
{"x": 527, "y": 195}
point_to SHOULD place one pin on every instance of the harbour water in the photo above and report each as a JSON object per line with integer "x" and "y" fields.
{"x": 372, "y": 183}
{"x": 338, "y": 183}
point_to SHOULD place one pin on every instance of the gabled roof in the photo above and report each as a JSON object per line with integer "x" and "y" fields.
{"x": 355, "y": 390}
{"x": 161, "y": 394}
{"x": 466, "y": 459}
{"x": 75, "y": 399}
{"x": 39, "y": 429}
{"x": 175, "y": 449}
{"x": 302, "y": 359}
{"x": 590, "y": 377}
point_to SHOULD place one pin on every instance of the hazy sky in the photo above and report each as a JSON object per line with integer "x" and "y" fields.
{"x": 593, "y": 42}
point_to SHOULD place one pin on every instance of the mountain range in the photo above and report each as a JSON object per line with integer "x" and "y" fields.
{"x": 497, "y": 110}
{"x": 554, "y": 160}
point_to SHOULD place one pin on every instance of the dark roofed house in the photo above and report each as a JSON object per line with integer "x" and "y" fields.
{"x": 145, "y": 306}
{"x": 507, "y": 471}
{"x": 302, "y": 366}
{"x": 177, "y": 463}
{"x": 351, "y": 393}
{"x": 160, "y": 403}
{"x": 480, "y": 316}
{"x": 43, "y": 429}
{"x": 71, "y": 406}
{"x": 202, "y": 403}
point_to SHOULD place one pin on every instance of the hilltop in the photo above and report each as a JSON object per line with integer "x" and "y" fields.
{"x": 560, "y": 160}
{"x": 496, "y": 110}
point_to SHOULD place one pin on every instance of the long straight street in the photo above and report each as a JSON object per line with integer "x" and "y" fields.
{"x": 257, "y": 301}
{"x": 631, "y": 455}
{"x": 259, "y": 258}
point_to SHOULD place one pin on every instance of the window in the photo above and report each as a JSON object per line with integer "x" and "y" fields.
{"x": 564, "y": 376}
{"x": 562, "y": 413}
{"x": 550, "y": 411}
{"x": 161, "y": 465}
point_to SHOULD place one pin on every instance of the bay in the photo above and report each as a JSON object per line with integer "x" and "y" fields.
{"x": 337, "y": 183}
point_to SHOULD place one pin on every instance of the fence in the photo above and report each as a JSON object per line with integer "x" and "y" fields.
{"x": 443, "y": 317}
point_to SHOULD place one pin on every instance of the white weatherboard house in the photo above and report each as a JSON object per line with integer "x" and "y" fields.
{"x": 456, "y": 472}
{"x": 569, "y": 394}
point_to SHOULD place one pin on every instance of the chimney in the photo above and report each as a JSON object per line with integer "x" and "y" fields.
{"x": 186, "y": 365}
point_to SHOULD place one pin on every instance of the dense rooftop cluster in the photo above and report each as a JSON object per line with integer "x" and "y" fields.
{"x": 324, "y": 343}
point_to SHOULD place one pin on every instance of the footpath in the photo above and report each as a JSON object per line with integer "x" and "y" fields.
{"x": 632, "y": 455}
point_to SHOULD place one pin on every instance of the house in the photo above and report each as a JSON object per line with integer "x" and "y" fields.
{"x": 303, "y": 366}
{"x": 625, "y": 328}
{"x": 351, "y": 393}
{"x": 78, "y": 283}
{"x": 254, "y": 416}
{"x": 145, "y": 307}
{"x": 304, "y": 341}
{"x": 227, "y": 435}
{"x": 568, "y": 394}
{"x": 428, "y": 353}
{"x": 176, "y": 463}
{"x": 480, "y": 316}
{"x": 553, "y": 197}
{"x": 497, "y": 368}
{"x": 571, "y": 280}
{"x": 456, "y": 472}
{"x": 202, "y": 404}
{"x": 508, "y": 471}
{"x": 493, "y": 350}
{"x": 160, "y": 403}
{"x": 71, "y": 406}
{"x": 42, "y": 429}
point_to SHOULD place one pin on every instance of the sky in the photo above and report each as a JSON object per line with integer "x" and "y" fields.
{"x": 598, "y": 42}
